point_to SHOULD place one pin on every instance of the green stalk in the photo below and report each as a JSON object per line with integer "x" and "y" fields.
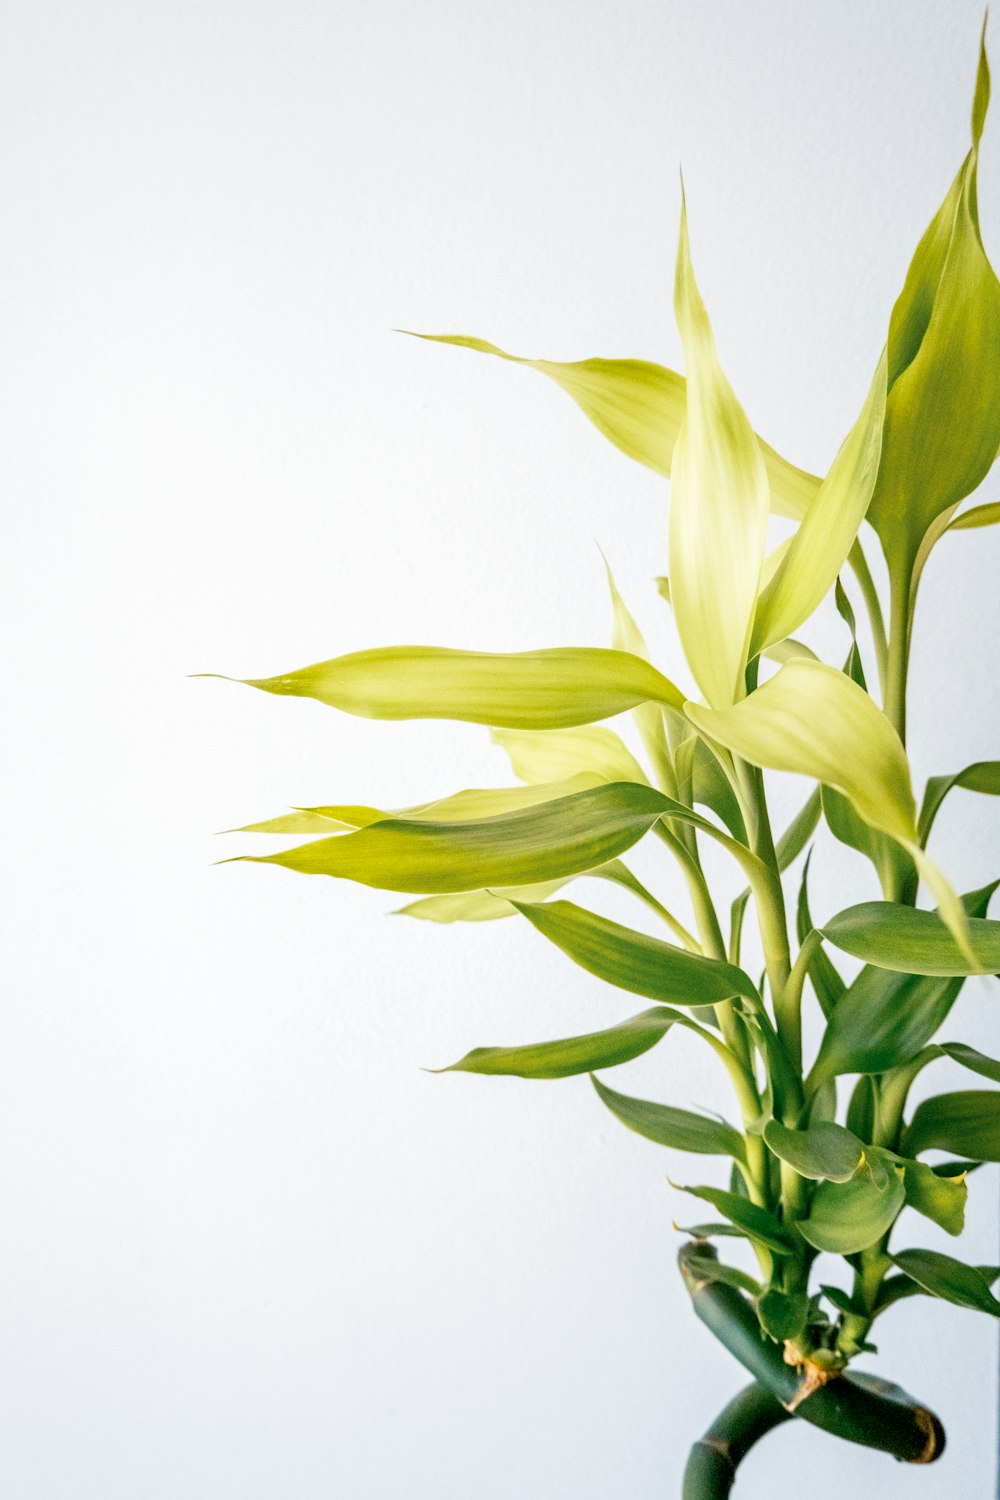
{"x": 714, "y": 1459}
{"x": 873, "y": 605}
{"x": 900, "y": 619}
{"x": 859, "y": 1408}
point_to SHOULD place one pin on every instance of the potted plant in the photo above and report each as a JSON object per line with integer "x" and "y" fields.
{"x": 828, "y": 1149}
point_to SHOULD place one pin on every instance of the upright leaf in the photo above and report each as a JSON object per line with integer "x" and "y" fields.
{"x": 942, "y": 420}
{"x": 718, "y": 507}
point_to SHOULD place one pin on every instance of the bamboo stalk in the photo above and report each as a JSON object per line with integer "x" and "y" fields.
{"x": 711, "y": 1467}
{"x": 859, "y": 1408}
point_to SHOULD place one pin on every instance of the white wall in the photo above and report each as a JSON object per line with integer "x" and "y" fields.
{"x": 249, "y": 1249}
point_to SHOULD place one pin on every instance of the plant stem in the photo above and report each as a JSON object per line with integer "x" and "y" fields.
{"x": 859, "y": 565}
{"x": 714, "y": 1459}
{"x": 899, "y": 654}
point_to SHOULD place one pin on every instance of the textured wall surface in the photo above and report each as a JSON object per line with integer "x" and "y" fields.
{"x": 249, "y": 1248}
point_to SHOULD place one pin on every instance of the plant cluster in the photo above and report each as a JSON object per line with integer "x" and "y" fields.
{"x": 802, "y": 1182}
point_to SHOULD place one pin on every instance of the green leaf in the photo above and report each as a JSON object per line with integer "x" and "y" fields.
{"x": 476, "y": 802}
{"x": 680, "y": 1129}
{"x": 949, "y": 1279}
{"x": 550, "y": 689}
{"x": 978, "y": 515}
{"x": 633, "y": 961}
{"x": 941, "y": 1199}
{"x": 757, "y": 1223}
{"x": 711, "y": 1231}
{"x": 846, "y": 1217}
{"x": 969, "y": 1057}
{"x": 842, "y": 1302}
{"x": 577, "y": 1054}
{"x": 639, "y": 407}
{"x": 700, "y": 773}
{"x": 541, "y": 843}
{"x": 818, "y": 550}
{"x": 942, "y": 421}
{"x": 548, "y": 755}
{"x": 966, "y": 1123}
{"x": 862, "y": 1108}
{"x": 708, "y": 1268}
{"x": 489, "y": 906}
{"x": 626, "y": 636}
{"x": 783, "y": 1315}
{"x": 824, "y": 1151}
{"x": 718, "y": 507}
{"x": 983, "y": 776}
{"x": 912, "y": 941}
{"x": 826, "y": 982}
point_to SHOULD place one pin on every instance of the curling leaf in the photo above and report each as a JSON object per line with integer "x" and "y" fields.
{"x": 824, "y": 1151}
{"x": 845, "y": 1217}
{"x": 639, "y": 407}
{"x": 983, "y": 776}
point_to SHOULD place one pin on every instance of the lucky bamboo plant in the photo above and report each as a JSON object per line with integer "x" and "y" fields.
{"x": 801, "y": 1184}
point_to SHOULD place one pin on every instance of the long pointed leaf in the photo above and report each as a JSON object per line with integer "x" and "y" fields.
{"x": 677, "y": 1128}
{"x": 574, "y": 1055}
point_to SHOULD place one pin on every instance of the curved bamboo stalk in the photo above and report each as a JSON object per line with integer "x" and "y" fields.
{"x": 711, "y": 1467}
{"x": 857, "y": 1407}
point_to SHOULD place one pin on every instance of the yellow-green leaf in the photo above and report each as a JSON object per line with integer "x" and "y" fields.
{"x": 540, "y": 755}
{"x": 977, "y": 516}
{"x": 942, "y": 421}
{"x": 639, "y": 407}
{"x": 811, "y": 719}
{"x": 626, "y": 636}
{"x": 718, "y": 507}
{"x": 910, "y": 941}
{"x": 816, "y": 553}
{"x": 550, "y": 689}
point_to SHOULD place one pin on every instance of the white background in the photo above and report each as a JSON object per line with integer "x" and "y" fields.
{"x": 249, "y": 1249}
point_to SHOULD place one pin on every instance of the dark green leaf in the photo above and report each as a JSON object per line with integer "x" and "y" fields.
{"x": 967, "y": 1123}
{"x": 976, "y": 1062}
{"x": 710, "y": 1269}
{"x": 680, "y": 1129}
{"x": 842, "y": 1302}
{"x": 577, "y": 1054}
{"x": 949, "y": 1279}
{"x": 862, "y": 1109}
{"x": 631, "y": 960}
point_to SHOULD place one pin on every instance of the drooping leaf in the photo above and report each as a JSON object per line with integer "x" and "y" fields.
{"x": 718, "y": 507}
{"x": 983, "y": 776}
{"x": 912, "y": 941}
{"x": 680, "y": 1129}
{"x": 950, "y": 1279}
{"x": 845, "y": 1217}
{"x": 975, "y": 1061}
{"x": 967, "y": 1123}
{"x": 942, "y": 421}
{"x": 495, "y": 905}
{"x": 550, "y": 689}
{"x": 825, "y": 1151}
{"x": 757, "y": 1223}
{"x": 632, "y": 960}
{"x": 819, "y": 548}
{"x": 885, "y": 1018}
{"x": 639, "y": 407}
{"x": 545, "y": 842}
{"x": 811, "y": 719}
{"x": 548, "y": 755}
{"x": 574, "y": 1055}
